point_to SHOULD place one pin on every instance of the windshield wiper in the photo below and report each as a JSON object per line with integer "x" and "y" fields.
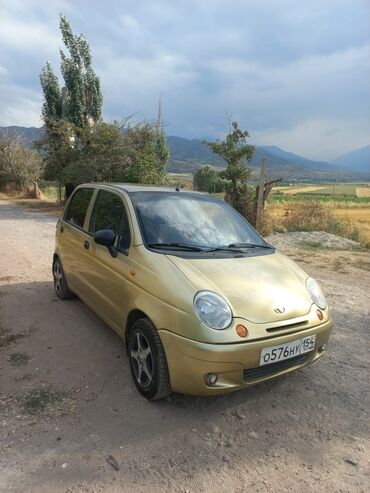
{"x": 180, "y": 246}
{"x": 248, "y": 245}
{"x": 227, "y": 248}
{"x": 233, "y": 247}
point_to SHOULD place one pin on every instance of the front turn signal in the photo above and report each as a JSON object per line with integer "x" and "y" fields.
{"x": 241, "y": 330}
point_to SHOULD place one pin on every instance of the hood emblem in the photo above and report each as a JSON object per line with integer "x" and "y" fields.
{"x": 279, "y": 309}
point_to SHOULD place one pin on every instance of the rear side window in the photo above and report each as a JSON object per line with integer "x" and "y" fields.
{"x": 78, "y": 206}
{"x": 109, "y": 213}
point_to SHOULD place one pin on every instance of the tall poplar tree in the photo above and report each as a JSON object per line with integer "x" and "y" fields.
{"x": 80, "y": 100}
{"x": 68, "y": 110}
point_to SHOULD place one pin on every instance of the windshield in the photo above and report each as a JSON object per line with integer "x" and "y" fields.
{"x": 190, "y": 219}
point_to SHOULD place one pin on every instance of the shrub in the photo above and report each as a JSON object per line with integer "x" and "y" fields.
{"x": 207, "y": 179}
{"x": 307, "y": 216}
{"x": 316, "y": 216}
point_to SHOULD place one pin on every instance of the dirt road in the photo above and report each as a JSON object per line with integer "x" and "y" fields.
{"x": 68, "y": 403}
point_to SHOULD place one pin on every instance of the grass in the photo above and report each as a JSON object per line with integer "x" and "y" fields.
{"x": 50, "y": 192}
{"x": 43, "y": 399}
{"x": 281, "y": 197}
{"x": 311, "y": 245}
{"x": 350, "y": 220}
{"x": 7, "y": 339}
{"x": 19, "y": 359}
{"x": 337, "y": 189}
{"x": 332, "y": 188}
{"x": 363, "y": 192}
{"x": 356, "y": 193}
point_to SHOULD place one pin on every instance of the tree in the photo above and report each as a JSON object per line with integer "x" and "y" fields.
{"x": 17, "y": 164}
{"x": 207, "y": 179}
{"x": 112, "y": 152}
{"x": 235, "y": 150}
{"x": 52, "y": 107}
{"x": 82, "y": 98}
{"x": 162, "y": 150}
{"x": 147, "y": 150}
{"x": 57, "y": 149}
{"x": 100, "y": 156}
{"x": 68, "y": 111}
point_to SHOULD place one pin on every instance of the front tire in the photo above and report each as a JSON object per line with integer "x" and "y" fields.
{"x": 60, "y": 281}
{"x": 148, "y": 361}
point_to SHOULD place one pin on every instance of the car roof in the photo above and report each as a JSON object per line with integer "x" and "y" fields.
{"x": 131, "y": 187}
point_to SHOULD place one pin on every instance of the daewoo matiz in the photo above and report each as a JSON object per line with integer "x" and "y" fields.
{"x": 204, "y": 304}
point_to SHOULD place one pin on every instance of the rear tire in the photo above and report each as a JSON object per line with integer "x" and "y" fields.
{"x": 60, "y": 281}
{"x": 148, "y": 361}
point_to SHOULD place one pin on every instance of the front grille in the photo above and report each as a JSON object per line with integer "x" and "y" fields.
{"x": 288, "y": 326}
{"x": 267, "y": 370}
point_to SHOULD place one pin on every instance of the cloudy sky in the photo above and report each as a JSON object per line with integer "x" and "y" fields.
{"x": 295, "y": 74}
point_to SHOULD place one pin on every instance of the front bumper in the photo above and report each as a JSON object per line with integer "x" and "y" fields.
{"x": 189, "y": 361}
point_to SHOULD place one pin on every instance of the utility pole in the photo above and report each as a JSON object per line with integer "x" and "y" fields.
{"x": 260, "y": 193}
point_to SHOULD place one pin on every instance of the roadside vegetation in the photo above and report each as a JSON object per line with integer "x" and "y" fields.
{"x": 341, "y": 208}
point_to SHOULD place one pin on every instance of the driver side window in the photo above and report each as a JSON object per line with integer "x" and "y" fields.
{"x": 110, "y": 213}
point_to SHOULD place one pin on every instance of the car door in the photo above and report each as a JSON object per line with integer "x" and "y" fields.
{"x": 74, "y": 239}
{"x": 107, "y": 274}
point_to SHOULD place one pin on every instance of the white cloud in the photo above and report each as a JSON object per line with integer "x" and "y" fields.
{"x": 28, "y": 37}
{"x": 135, "y": 84}
{"x": 295, "y": 74}
{"x": 130, "y": 23}
{"x": 22, "y": 107}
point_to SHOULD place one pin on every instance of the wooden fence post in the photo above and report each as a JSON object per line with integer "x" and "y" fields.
{"x": 260, "y": 194}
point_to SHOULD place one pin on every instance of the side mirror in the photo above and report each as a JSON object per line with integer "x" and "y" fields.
{"x": 106, "y": 237}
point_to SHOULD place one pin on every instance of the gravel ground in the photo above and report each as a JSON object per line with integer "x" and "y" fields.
{"x": 313, "y": 239}
{"x": 72, "y": 421}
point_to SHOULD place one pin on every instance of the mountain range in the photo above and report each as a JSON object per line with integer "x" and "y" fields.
{"x": 357, "y": 160}
{"x": 187, "y": 155}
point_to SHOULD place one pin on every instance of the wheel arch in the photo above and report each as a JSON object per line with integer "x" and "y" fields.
{"x": 133, "y": 317}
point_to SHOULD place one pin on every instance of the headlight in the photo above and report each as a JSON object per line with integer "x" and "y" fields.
{"x": 316, "y": 293}
{"x": 212, "y": 310}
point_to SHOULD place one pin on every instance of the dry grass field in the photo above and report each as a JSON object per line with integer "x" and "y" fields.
{"x": 354, "y": 219}
{"x": 295, "y": 190}
{"x": 363, "y": 191}
{"x": 341, "y": 208}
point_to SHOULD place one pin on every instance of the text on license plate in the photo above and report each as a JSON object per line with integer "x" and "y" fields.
{"x": 289, "y": 350}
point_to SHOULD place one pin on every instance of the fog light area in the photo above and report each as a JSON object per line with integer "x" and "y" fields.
{"x": 211, "y": 379}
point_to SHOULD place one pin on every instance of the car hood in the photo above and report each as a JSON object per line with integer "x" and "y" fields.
{"x": 260, "y": 289}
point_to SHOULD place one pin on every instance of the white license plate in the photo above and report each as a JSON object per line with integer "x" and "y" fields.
{"x": 289, "y": 350}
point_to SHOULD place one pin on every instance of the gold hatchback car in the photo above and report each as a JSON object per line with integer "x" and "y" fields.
{"x": 204, "y": 304}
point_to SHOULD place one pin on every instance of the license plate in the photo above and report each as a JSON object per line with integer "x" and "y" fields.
{"x": 289, "y": 350}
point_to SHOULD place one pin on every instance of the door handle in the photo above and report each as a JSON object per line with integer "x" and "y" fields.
{"x": 61, "y": 228}
{"x": 86, "y": 244}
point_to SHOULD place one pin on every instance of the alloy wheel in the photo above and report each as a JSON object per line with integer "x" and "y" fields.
{"x": 142, "y": 359}
{"x": 58, "y": 276}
